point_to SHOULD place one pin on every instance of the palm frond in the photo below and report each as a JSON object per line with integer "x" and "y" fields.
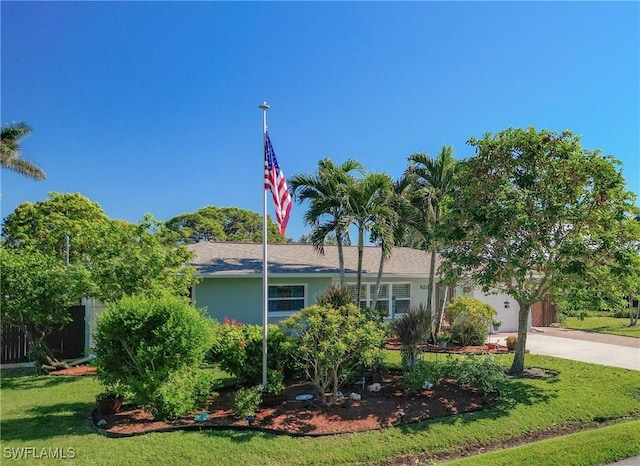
{"x": 10, "y": 156}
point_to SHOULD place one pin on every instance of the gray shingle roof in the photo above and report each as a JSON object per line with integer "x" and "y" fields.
{"x": 238, "y": 259}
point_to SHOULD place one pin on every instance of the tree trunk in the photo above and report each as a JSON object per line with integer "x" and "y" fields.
{"x": 360, "y": 253}
{"x": 340, "y": 258}
{"x": 42, "y": 354}
{"x": 517, "y": 367}
{"x": 436, "y": 310}
{"x": 374, "y": 302}
{"x": 633, "y": 312}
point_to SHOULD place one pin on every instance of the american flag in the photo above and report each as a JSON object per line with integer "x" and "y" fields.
{"x": 275, "y": 182}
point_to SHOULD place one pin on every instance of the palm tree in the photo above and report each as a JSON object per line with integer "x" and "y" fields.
{"x": 392, "y": 230}
{"x": 326, "y": 192}
{"x": 434, "y": 181}
{"x": 367, "y": 206}
{"x": 10, "y": 151}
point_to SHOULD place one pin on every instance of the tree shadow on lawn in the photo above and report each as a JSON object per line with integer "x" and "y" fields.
{"x": 512, "y": 392}
{"x": 30, "y": 382}
{"x": 516, "y": 391}
{"x": 39, "y": 423}
{"x": 238, "y": 435}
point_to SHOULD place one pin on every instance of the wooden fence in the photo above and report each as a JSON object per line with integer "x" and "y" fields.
{"x": 66, "y": 343}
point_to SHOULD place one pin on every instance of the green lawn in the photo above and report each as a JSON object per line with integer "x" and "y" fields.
{"x": 48, "y": 412}
{"x": 611, "y": 325}
{"x": 582, "y": 448}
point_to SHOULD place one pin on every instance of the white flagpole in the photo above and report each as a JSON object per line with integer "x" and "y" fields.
{"x": 265, "y": 275}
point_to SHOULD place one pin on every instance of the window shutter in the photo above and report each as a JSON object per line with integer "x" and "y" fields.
{"x": 402, "y": 291}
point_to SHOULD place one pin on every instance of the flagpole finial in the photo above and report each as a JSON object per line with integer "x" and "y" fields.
{"x": 264, "y": 106}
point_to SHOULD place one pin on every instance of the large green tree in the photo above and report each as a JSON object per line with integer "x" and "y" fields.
{"x": 142, "y": 258}
{"x": 328, "y": 213}
{"x": 224, "y": 224}
{"x": 49, "y": 226}
{"x": 123, "y": 258}
{"x": 434, "y": 181}
{"x": 68, "y": 232}
{"x": 534, "y": 210}
{"x": 10, "y": 151}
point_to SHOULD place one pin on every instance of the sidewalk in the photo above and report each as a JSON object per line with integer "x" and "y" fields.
{"x": 588, "y": 336}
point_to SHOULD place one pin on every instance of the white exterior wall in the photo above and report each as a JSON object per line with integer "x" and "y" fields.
{"x": 93, "y": 308}
{"x": 508, "y": 316}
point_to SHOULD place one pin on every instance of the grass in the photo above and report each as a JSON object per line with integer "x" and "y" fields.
{"x": 596, "y": 446}
{"x": 612, "y": 325}
{"x": 46, "y": 412}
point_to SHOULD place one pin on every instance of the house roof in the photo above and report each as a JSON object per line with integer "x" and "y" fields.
{"x": 242, "y": 259}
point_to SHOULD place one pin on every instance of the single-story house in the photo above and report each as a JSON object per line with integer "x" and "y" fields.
{"x": 231, "y": 284}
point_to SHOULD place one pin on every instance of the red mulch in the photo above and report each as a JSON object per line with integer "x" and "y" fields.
{"x": 76, "y": 371}
{"x": 393, "y": 344}
{"x": 375, "y": 410}
{"x": 389, "y": 407}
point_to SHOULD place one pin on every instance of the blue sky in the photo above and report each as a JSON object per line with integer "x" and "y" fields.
{"x": 153, "y": 107}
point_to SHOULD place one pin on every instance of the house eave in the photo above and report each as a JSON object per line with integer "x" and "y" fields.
{"x": 310, "y": 275}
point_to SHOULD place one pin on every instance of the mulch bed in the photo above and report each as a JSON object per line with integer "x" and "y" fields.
{"x": 76, "y": 371}
{"x": 391, "y": 406}
{"x": 376, "y": 410}
{"x": 394, "y": 344}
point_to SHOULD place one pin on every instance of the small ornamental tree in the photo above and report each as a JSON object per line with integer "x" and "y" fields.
{"x": 332, "y": 344}
{"x": 153, "y": 347}
{"x": 470, "y": 320}
{"x": 37, "y": 292}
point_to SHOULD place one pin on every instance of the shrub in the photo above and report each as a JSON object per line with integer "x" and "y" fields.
{"x": 238, "y": 350}
{"x": 377, "y": 315}
{"x": 275, "y": 383}
{"x": 143, "y": 344}
{"x": 412, "y": 329}
{"x": 479, "y": 371}
{"x": 471, "y": 319}
{"x": 443, "y": 337}
{"x": 424, "y": 372}
{"x": 332, "y": 344}
{"x": 336, "y": 296}
{"x": 246, "y": 401}
{"x": 185, "y": 390}
{"x": 621, "y": 313}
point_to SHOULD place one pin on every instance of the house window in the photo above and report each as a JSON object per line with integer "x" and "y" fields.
{"x": 383, "y": 303}
{"x": 286, "y": 298}
{"x": 402, "y": 297}
{"x": 400, "y": 294}
{"x": 363, "y": 294}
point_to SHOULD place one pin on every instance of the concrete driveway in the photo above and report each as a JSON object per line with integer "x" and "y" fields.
{"x": 596, "y": 348}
